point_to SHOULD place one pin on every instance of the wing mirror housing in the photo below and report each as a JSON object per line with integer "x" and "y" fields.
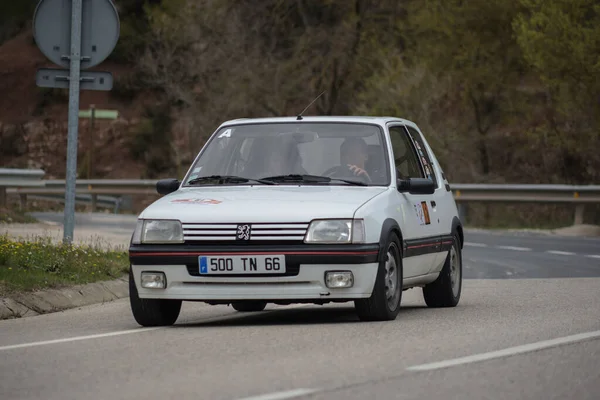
{"x": 167, "y": 186}
{"x": 416, "y": 186}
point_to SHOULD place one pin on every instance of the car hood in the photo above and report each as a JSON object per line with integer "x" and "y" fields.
{"x": 260, "y": 203}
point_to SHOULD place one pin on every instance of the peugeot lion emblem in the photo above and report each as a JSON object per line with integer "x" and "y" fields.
{"x": 243, "y": 232}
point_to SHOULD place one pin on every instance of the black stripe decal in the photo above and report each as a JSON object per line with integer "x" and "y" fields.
{"x": 427, "y": 245}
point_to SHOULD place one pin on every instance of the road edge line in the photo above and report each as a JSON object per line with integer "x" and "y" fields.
{"x": 510, "y": 351}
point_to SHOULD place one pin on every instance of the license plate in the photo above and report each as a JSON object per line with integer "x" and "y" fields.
{"x": 271, "y": 264}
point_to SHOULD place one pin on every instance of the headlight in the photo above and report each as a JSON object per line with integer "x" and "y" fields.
{"x": 158, "y": 231}
{"x": 136, "y": 238}
{"x": 336, "y": 231}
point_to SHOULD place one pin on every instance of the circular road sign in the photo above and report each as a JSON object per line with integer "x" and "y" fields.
{"x": 100, "y": 29}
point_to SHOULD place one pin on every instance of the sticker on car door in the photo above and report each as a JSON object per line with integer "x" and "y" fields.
{"x": 422, "y": 212}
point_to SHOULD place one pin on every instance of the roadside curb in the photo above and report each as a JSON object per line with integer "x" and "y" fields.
{"x": 52, "y": 300}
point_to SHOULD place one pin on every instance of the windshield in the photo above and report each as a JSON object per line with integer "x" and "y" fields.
{"x": 243, "y": 154}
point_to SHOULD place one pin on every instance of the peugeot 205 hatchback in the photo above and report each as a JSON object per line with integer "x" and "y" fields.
{"x": 300, "y": 210}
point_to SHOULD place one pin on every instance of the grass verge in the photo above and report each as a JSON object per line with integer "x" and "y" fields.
{"x": 40, "y": 264}
{"x": 9, "y": 216}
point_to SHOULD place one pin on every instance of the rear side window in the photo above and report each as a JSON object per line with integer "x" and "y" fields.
{"x": 423, "y": 154}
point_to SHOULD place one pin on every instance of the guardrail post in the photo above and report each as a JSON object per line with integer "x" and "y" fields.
{"x": 579, "y": 209}
{"x": 94, "y": 202}
{"x": 23, "y": 201}
{"x": 118, "y": 204}
{"x": 462, "y": 212}
{"x": 2, "y": 197}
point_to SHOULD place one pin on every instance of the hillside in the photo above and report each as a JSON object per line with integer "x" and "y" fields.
{"x": 505, "y": 90}
{"x": 33, "y": 121}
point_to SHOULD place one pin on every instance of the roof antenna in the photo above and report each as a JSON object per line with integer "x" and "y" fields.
{"x": 300, "y": 115}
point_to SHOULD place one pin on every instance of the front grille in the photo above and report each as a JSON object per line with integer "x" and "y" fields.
{"x": 260, "y": 232}
{"x": 292, "y": 269}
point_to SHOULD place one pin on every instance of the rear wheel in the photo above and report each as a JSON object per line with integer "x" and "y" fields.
{"x": 249, "y": 306}
{"x": 384, "y": 303}
{"x": 152, "y": 312}
{"x": 446, "y": 289}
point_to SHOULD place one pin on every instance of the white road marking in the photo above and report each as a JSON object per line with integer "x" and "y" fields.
{"x": 76, "y": 338}
{"x": 593, "y": 256}
{"x": 507, "y": 352}
{"x": 475, "y": 244}
{"x": 282, "y": 395}
{"x": 140, "y": 330}
{"x": 562, "y": 253}
{"x": 514, "y": 248}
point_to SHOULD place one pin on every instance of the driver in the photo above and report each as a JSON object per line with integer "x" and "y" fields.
{"x": 354, "y": 155}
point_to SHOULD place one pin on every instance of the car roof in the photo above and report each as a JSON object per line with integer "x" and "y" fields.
{"x": 356, "y": 119}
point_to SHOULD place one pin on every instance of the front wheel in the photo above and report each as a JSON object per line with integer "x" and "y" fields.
{"x": 152, "y": 312}
{"x": 384, "y": 303}
{"x": 446, "y": 289}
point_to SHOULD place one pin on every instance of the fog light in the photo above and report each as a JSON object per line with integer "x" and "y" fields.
{"x": 154, "y": 280}
{"x": 339, "y": 279}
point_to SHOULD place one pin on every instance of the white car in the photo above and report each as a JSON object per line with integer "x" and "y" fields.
{"x": 300, "y": 210}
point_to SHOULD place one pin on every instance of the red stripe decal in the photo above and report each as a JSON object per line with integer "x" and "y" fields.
{"x": 258, "y": 253}
{"x": 422, "y": 245}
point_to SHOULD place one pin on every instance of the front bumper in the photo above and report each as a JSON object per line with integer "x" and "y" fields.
{"x": 304, "y": 280}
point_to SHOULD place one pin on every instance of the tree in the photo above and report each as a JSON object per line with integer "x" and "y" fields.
{"x": 13, "y": 17}
{"x": 472, "y": 42}
{"x": 217, "y": 60}
{"x": 561, "y": 41}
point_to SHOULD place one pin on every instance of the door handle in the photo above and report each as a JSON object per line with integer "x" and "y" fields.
{"x": 433, "y": 204}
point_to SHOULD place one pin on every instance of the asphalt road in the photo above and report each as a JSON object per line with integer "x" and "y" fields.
{"x": 513, "y": 336}
{"x": 499, "y": 255}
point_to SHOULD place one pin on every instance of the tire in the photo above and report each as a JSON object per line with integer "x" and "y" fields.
{"x": 249, "y": 306}
{"x": 152, "y": 312}
{"x": 445, "y": 291}
{"x": 378, "y": 307}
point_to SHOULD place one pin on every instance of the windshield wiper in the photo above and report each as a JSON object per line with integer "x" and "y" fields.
{"x": 310, "y": 179}
{"x": 228, "y": 178}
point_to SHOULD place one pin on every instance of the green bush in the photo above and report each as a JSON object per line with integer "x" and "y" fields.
{"x": 39, "y": 264}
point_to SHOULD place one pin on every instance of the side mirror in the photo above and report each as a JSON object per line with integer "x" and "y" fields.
{"x": 167, "y": 186}
{"x": 416, "y": 186}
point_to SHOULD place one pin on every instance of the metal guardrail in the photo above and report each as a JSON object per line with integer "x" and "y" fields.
{"x": 108, "y": 202}
{"x": 579, "y": 195}
{"x": 527, "y": 193}
{"x": 524, "y": 193}
{"x": 19, "y": 178}
{"x": 93, "y": 189}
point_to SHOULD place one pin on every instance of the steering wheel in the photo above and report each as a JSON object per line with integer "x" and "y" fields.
{"x": 340, "y": 168}
{"x": 331, "y": 171}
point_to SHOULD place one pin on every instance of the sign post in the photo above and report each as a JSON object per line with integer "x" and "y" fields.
{"x": 93, "y": 114}
{"x": 75, "y": 57}
{"x": 89, "y": 31}
{"x": 91, "y": 141}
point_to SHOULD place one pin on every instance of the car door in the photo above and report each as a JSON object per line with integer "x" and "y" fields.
{"x": 420, "y": 229}
{"x": 442, "y": 201}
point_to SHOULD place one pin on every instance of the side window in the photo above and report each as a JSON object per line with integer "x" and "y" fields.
{"x": 423, "y": 154}
{"x": 405, "y": 157}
